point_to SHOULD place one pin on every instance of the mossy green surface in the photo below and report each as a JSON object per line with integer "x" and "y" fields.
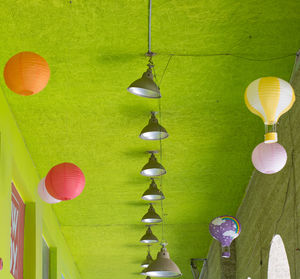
{"x": 85, "y": 116}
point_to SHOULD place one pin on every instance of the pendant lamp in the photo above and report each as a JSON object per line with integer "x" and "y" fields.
{"x": 153, "y": 168}
{"x": 163, "y": 266}
{"x": 144, "y": 273}
{"x": 145, "y": 86}
{"x": 149, "y": 237}
{"x": 151, "y": 216}
{"x": 147, "y": 261}
{"x": 153, "y": 131}
{"x": 153, "y": 193}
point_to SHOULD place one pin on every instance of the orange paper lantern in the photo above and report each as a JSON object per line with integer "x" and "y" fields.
{"x": 26, "y": 73}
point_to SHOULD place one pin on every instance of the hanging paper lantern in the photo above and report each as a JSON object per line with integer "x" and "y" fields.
{"x": 26, "y": 73}
{"x": 65, "y": 181}
{"x": 269, "y": 158}
{"x": 43, "y": 193}
{"x": 269, "y": 98}
{"x": 225, "y": 229}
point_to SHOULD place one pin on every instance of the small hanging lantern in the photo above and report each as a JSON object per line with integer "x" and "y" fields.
{"x": 43, "y": 193}
{"x": 26, "y": 73}
{"x": 269, "y": 98}
{"x": 269, "y": 158}
{"x": 225, "y": 229}
{"x": 65, "y": 181}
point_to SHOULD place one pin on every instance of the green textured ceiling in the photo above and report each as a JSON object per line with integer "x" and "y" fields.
{"x": 95, "y": 50}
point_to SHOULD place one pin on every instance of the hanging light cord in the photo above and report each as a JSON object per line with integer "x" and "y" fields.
{"x": 149, "y": 27}
{"x": 160, "y": 142}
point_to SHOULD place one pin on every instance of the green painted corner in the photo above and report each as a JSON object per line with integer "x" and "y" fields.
{"x": 85, "y": 116}
{"x": 16, "y": 166}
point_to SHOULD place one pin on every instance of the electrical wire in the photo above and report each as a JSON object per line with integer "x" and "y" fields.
{"x": 230, "y": 54}
{"x": 160, "y": 141}
{"x": 149, "y": 26}
{"x": 165, "y": 70}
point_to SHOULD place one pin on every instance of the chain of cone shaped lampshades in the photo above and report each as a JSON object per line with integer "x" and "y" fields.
{"x": 146, "y": 87}
{"x": 162, "y": 266}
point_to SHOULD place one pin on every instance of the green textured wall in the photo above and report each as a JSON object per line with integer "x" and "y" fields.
{"x": 16, "y": 165}
{"x": 271, "y": 206}
{"x": 95, "y": 49}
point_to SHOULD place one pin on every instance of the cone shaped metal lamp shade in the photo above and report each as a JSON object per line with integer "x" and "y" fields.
{"x": 147, "y": 261}
{"x": 144, "y": 272}
{"x": 149, "y": 237}
{"x": 153, "y": 168}
{"x": 153, "y": 193}
{"x": 145, "y": 86}
{"x": 163, "y": 266}
{"x": 153, "y": 131}
{"x": 151, "y": 216}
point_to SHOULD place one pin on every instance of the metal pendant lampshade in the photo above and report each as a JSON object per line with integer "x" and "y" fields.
{"x": 151, "y": 216}
{"x": 149, "y": 237}
{"x": 144, "y": 273}
{"x": 153, "y": 131}
{"x": 163, "y": 266}
{"x": 153, "y": 168}
{"x": 145, "y": 86}
{"x": 147, "y": 261}
{"x": 153, "y": 193}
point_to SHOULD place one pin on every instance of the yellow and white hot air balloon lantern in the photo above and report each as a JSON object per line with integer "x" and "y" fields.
{"x": 269, "y": 98}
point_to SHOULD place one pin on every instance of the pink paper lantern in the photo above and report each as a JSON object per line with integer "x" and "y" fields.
{"x": 43, "y": 193}
{"x": 269, "y": 158}
{"x": 65, "y": 181}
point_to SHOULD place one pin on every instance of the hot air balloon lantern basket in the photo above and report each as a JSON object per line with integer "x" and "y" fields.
{"x": 225, "y": 229}
{"x": 270, "y": 133}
